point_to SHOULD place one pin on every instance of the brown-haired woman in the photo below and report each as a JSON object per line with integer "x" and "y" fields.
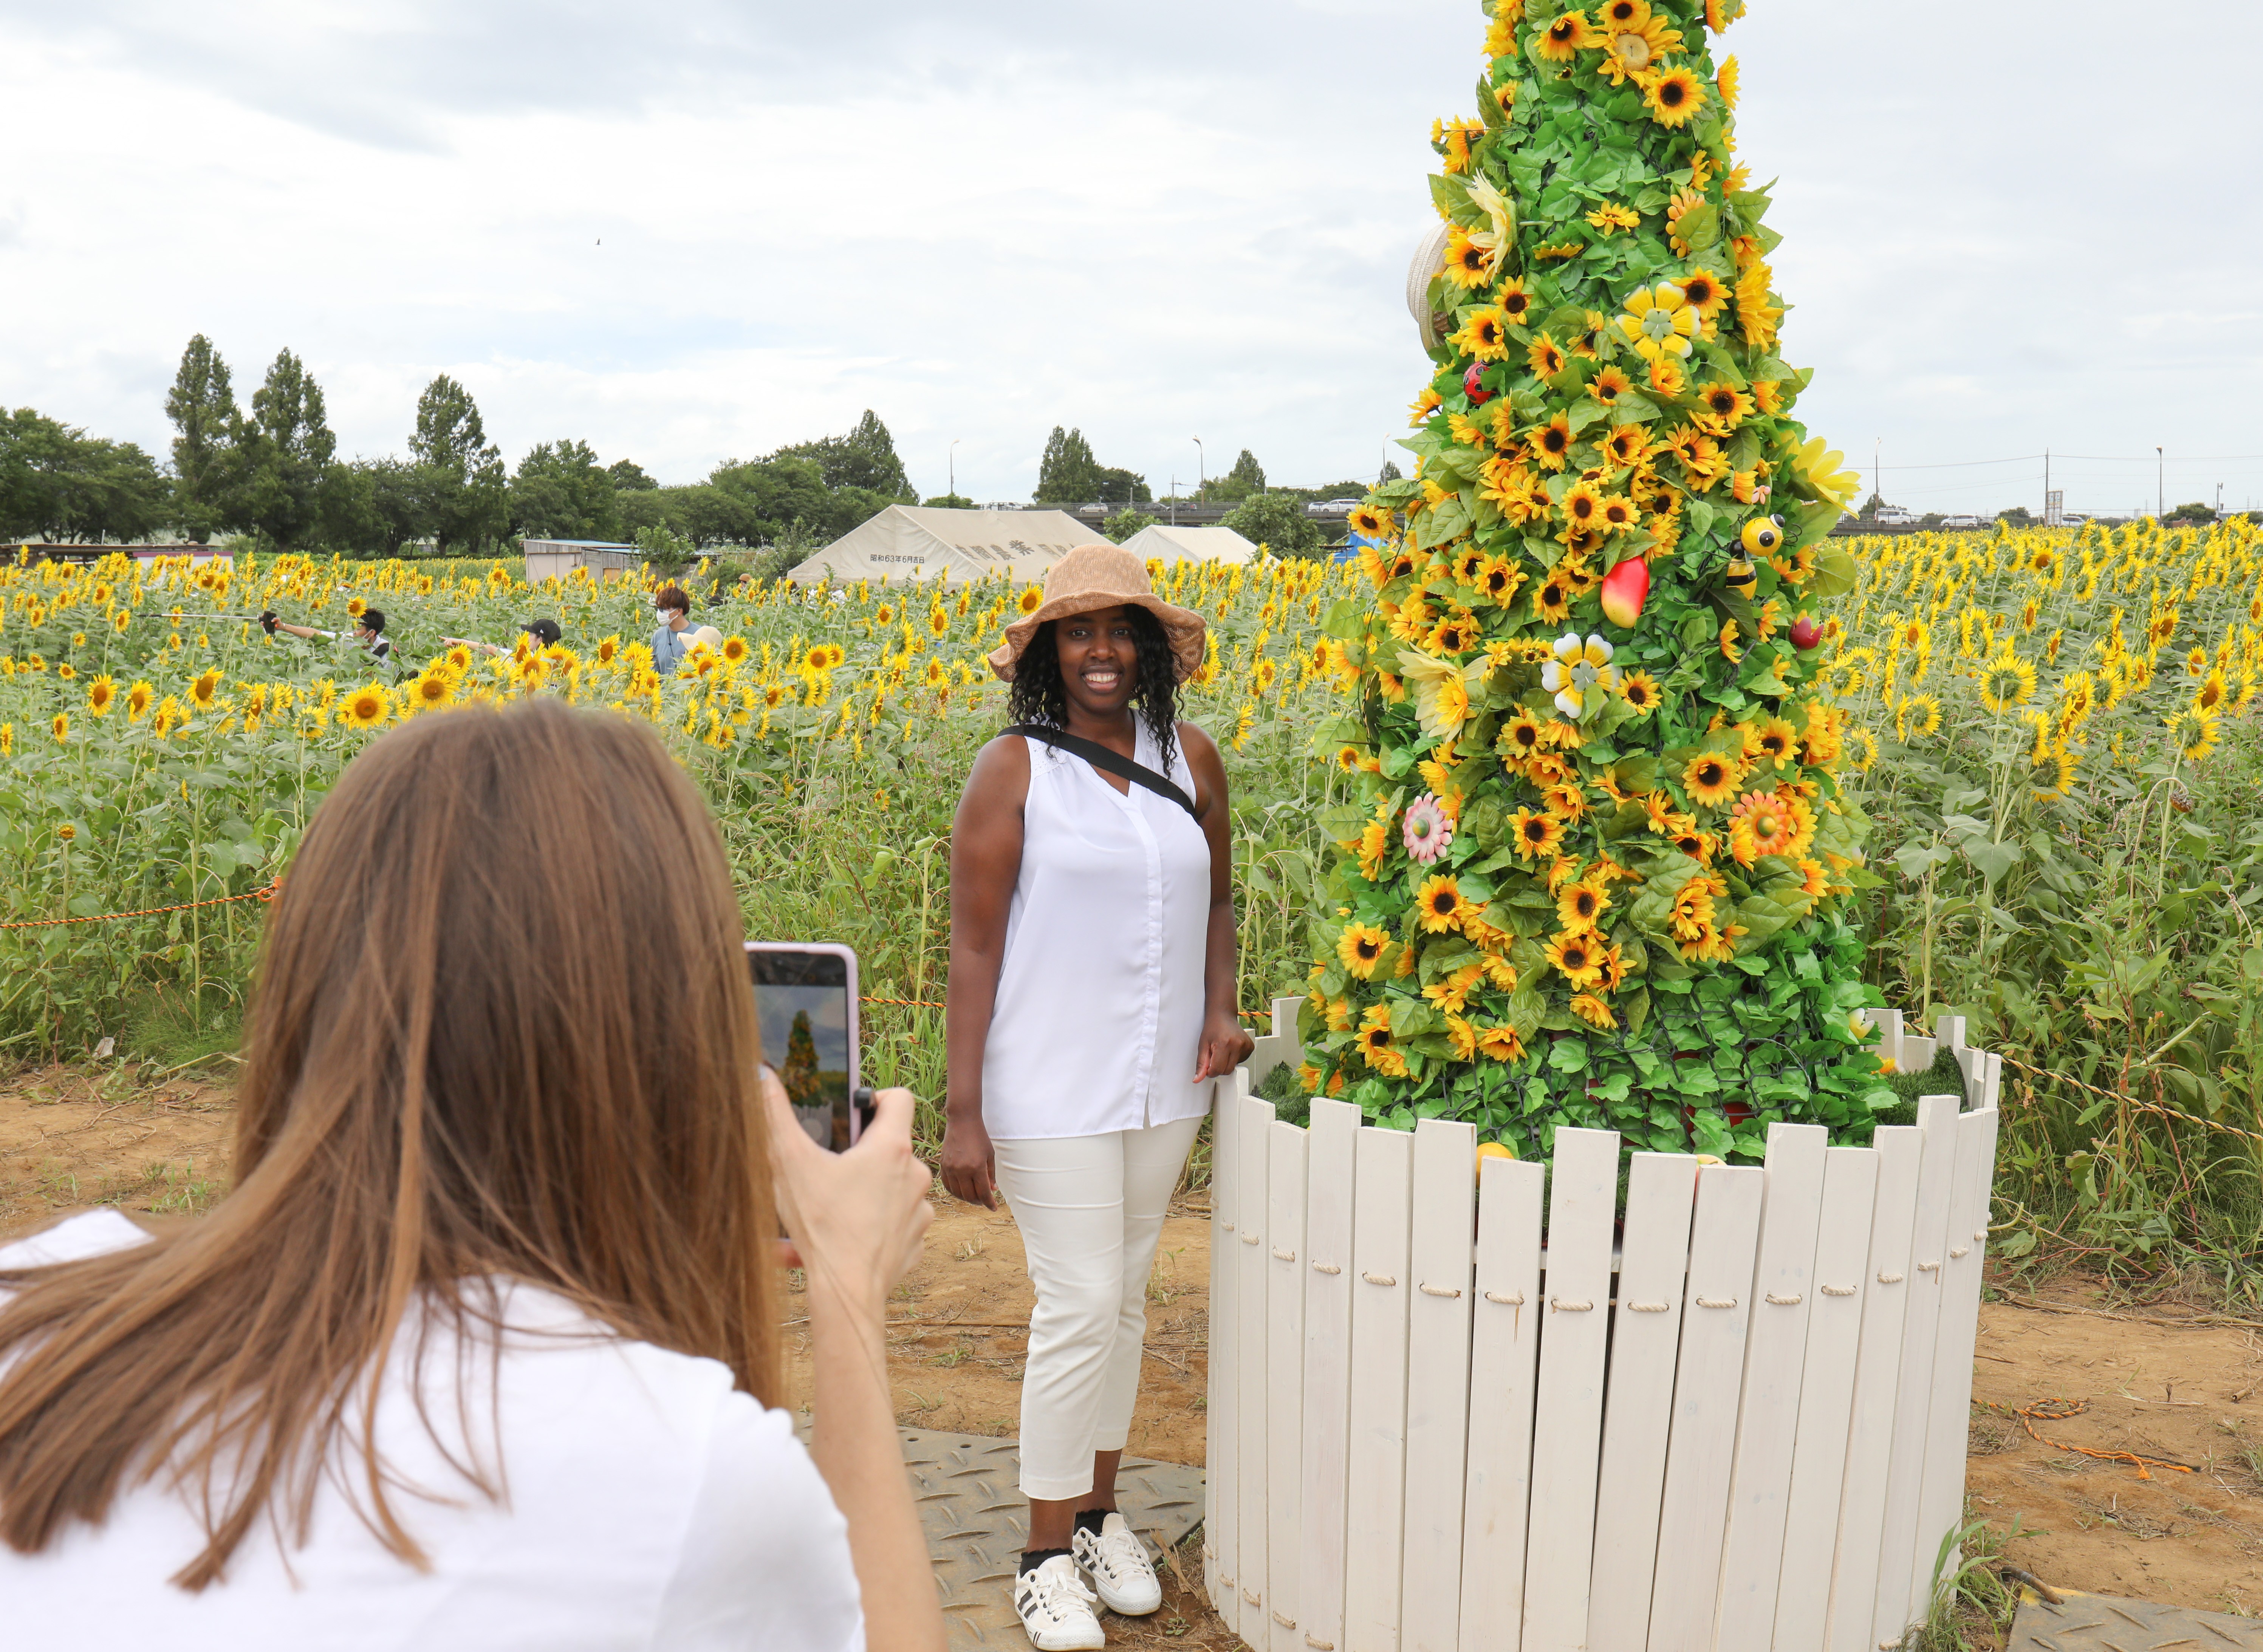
{"x": 479, "y": 1352}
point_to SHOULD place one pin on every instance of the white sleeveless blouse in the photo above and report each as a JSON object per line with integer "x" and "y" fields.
{"x": 1098, "y": 1021}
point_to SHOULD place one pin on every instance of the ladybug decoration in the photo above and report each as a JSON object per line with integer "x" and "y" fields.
{"x": 1764, "y": 535}
{"x": 1474, "y": 386}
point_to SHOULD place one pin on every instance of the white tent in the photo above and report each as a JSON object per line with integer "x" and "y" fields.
{"x": 910, "y": 542}
{"x": 1163, "y": 543}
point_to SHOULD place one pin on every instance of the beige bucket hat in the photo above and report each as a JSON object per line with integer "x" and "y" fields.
{"x": 1103, "y": 576}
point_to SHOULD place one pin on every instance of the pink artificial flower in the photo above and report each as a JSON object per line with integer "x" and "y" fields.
{"x": 1426, "y": 831}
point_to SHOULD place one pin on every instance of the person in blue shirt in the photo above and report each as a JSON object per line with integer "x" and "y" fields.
{"x": 672, "y": 640}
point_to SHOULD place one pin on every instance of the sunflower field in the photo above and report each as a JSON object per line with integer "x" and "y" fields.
{"x": 2052, "y": 736}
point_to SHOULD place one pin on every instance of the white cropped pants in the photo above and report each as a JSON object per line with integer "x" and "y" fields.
{"x": 1091, "y": 1209}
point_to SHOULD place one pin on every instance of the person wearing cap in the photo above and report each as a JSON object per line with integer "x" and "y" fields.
{"x": 544, "y": 631}
{"x": 368, "y": 632}
{"x": 1091, "y": 1002}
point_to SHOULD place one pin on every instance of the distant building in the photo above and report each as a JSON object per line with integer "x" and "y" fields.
{"x": 555, "y": 559}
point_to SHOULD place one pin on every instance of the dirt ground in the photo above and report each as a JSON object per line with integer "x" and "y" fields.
{"x": 2175, "y": 1389}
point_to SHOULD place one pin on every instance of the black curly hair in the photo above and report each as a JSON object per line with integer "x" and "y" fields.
{"x": 1038, "y": 695}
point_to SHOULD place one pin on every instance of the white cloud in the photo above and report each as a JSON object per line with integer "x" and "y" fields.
{"x": 2004, "y": 229}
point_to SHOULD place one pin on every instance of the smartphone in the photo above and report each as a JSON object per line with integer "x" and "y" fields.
{"x": 806, "y": 1003}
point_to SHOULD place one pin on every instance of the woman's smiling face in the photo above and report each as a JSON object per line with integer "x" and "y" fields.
{"x": 1099, "y": 654}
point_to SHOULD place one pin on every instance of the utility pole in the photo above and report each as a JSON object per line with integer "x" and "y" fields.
{"x": 2160, "y": 483}
{"x": 951, "y": 460}
{"x": 1175, "y": 498}
{"x": 1202, "y": 467}
{"x": 1877, "y": 446}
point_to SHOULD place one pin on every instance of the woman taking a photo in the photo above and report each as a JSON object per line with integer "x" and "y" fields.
{"x": 482, "y": 1350}
{"x": 1092, "y": 997}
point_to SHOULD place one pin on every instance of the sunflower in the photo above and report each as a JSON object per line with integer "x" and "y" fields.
{"x": 2207, "y": 702}
{"x": 1777, "y": 740}
{"x": 1727, "y": 80}
{"x": 1609, "y": 386}
{"x": 429, "y": 692}
{"x": 1455, "y": 634}
{"x": 1566, "y": 37}
{"x": 2195, "y": 733}
{"x": 1594, "y": 1011}
{"x": 1551, "y": 442}
{"x": 1581, "y": 904}
{"x": 1757, "y": 319}
{"x": 1640, "y": 690}
{"x": 1441, "y": 904}
{"x": 1578, "y": 956}
{"x": 1583, "y": 503}
{"x": 1028, "y": 602}
{"x": 1536, "y": 835}
{"x": 1611, "y": 216}
{"x": 1627, "y": 445}
{"x": 2008, "y": 682}
{"x": 61, "y": 727}
{"x": 1500, "y": 581}
{"x": 1552, "y": 602}
{"x": 1375, "y": 1042}
{"x": 1467, "y": 264}
{"x": 1544, "y": 357}
{"x": 121, "y": 619}
{"x": 100, "y": 693}
{"x": 1500, "y": 1043}
{"x": 1361, "y": 948}
{"x": 1666, "y": 377}
{"x": 734, "y": 648}
{"x": 1523, "y": 737}
{"x": 1710, "y": 779}
{"x": 1704, "y": 292}
{"x": 137, "y": 700}
{"x": 204, "y": 691}
{"x": 1725, "y": 405}
{"x": 1485, "y": 335}
{"x": 366, "y": 708}
{"x": 1865, "y": 746}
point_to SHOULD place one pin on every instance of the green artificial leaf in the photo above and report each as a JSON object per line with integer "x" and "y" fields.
{"x": 1835, "y": 574}
{"x": 1450, "y": 193}
{"x": 1346, "y": 619}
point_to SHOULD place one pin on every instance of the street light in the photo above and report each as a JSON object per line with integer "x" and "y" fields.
{"x": 1202, "y": 468}
{"x": 951, "y": 460}
{"x": 2161, "y": 485}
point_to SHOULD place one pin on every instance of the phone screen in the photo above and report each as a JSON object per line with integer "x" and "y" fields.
{"x": 806, "y": 1001}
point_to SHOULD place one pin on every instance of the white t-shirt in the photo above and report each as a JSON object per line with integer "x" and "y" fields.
{"x": 647, "y": 1505}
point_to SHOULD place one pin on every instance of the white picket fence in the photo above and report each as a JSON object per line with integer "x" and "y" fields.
{"x": 1739, "y": 1424}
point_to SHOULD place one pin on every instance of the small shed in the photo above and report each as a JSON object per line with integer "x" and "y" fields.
{"x": 912, "y": 542}
{"x": 1162, "y": 543}
{"x": 555, "y": 559}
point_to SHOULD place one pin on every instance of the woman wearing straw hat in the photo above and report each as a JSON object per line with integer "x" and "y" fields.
{"x": 1092, "y": 997}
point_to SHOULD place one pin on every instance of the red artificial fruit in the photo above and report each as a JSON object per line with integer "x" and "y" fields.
{"x": 1475, "y": 390}
{"x": 1625, "y": 588}
{"x": 1805, "y": 633}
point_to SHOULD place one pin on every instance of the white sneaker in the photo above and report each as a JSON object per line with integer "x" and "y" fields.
{"x": 1056, "y": 1607}
{"x": 1117, "y": 1562}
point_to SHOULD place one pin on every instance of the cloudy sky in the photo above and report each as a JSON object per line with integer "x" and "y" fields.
{"x": 686, "y": 230}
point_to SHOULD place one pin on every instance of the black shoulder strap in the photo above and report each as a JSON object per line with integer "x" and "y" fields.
{"x": 1115, "y": 763}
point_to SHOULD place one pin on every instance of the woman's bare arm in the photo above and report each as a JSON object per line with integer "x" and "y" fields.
{"x": 986, "y": 859}
{"x": 1225, "y": 1045}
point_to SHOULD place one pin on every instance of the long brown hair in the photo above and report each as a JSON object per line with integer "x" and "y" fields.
{"x": 501, "y": 1029}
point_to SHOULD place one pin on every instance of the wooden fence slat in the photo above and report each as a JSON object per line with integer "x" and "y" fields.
{"x": 1716, "y": 1309}
{"x": 1638, "y": 1396}
{"x": 1936, "y": 1117}
{"x": 1888, "y": 1023}
{"x": 1284, "y": 1382}
{"x": 1827, "y": 1398}
{"x": 1504, "y": 1368}
{"x": 1877, "y": 1384}
{"x": 1775, "y": 1353}
{"x": 1252, "y": 1305}
{"x": 1221, "y": 1480}
{"x": 1917, "y": 1052}
{"x": 1941, "y": 1498}
{"x": 1328, "y": 1282}
{"x": 1438, "y": 1392}
{"x": 1279, "y": 1045}
{"x": 1575, "y": 1327}
{"x": 1383, "y": 1170}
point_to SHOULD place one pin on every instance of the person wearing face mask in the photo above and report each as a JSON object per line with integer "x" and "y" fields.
{"x": 1091, "y": 1000}
{"x": 369, "y": 631}
{"x": 672, "y": 640}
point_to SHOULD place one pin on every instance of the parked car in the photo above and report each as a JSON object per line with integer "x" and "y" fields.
{"x": 1962, "y": 522}
{"x": 1895, "y": 516}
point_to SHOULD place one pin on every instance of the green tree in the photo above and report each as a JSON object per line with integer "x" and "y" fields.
{"x": 1391, "y": 473}
{"x": 1116, "y": 486}
{"x": 1277, "y": 522}
{"x": 798, "y": 1073}
{"x": 287, "y": 448}
{"x": 629, "y": 477}
{"x": 1068, "y": 474}
{"x": 57, "y": 482}
{"x": 562, "y": 493}
{"x": 1246, "y": 479}
{"x": 865, "y": 458}
{"x": 468, "y": 499}
{"x": 1125, "y": 522}
{"x": 201, "y": 404}
{"x": 2197, "y": 510}
{"x": 2018, "y": 517}
{"x": 1599, "y": 867}
{"x": 949, "y": 502}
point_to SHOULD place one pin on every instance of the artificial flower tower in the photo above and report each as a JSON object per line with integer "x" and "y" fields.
{"x": 1600, "y": 869}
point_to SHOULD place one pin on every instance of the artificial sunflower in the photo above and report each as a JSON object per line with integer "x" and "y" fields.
{"x": 1640, "y": 690}
{"x": 1542, "y": 356}
{"x": 1581, "y": 904}
{"x": 1441, "y": 904}
{"x": 1566, "y": 37}
{"x": 1485, "y": 335}
{"x": 1376, "y": 1044}
{"x": 1361, "y": 948}
{"x": 1577, "y": 956}
{"x": 1710, "y": 779}
{"x": 1551, "y": 443}
{"x": 1536, "y": 836}
{"x": 1609, "y": 386}
{"x": 1762, "y": 824}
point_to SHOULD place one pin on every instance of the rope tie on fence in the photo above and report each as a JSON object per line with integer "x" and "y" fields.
{"x": 1958, "y": 1252}
{"x": 1320, "y": 1646}
{"x": 1929, "y": 1267}
{"x": 2143, "y": 1107}
{"x": 1437, "y": 1290}
{"x": 1837, "y": 1290}
{"x": 1892, "y": 1279}
{"x": 265, "y": 891}
{"x": 1378, "y": 1278}
{"x": 1280, "y": 1255}
{"x": 1329, "y": 1268}
{"x": 1514, "y": 1300}
{"x": 1286, "y": 1623}
{"x": 1647, "y": 1308}
{"x": 1250, "y": 1238}
{"x": 1717, "y": 1301}
{"x": 1792, "y": 1301}
{"x": 2057, "y": 1410}
{"x": 1563, "y": 1305}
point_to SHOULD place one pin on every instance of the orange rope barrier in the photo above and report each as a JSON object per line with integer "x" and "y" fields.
{"x": 267, "y": 891}
{"x": 921, "y": 1003}
{"x": 2056, "y": 1410}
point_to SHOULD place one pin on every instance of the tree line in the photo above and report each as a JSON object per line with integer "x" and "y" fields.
{"x": 270, "y": 469}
